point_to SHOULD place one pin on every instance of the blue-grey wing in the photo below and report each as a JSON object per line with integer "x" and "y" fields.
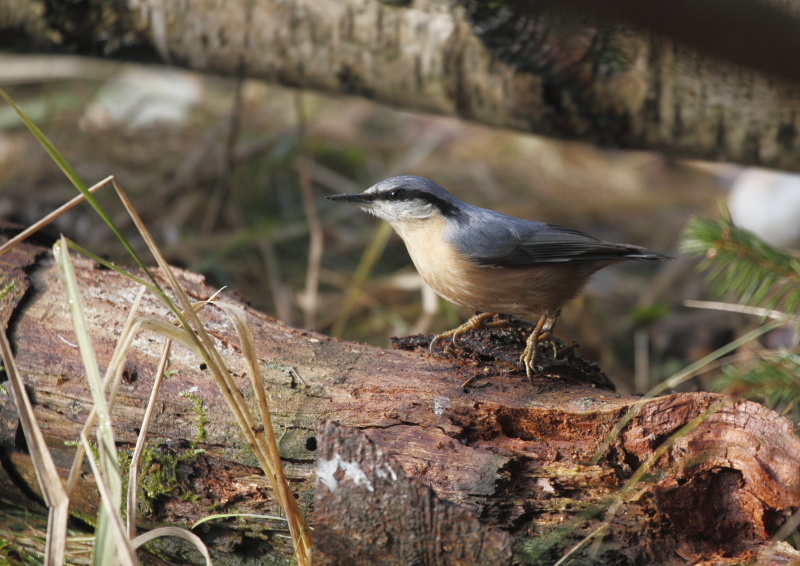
{"x": 492, "y": 239}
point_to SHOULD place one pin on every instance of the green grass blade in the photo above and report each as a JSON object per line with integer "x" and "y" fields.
{"x": 111, "y": 266}
{"x": 105, "y": 548}
{"x": 237, "y": 515}
{"x": 72, "y": 176}
{"x": 174, "y": 532}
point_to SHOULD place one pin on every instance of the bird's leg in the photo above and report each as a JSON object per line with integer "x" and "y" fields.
{"x": 547, "y": 331}
{"x": 550, "y": 323}
{"x": 473, "y": 323}
{"x": 529, "y": 355}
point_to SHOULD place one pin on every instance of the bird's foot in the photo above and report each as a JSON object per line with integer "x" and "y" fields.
{"x": 528, "y": 357}
{"x": 474, "y": 323}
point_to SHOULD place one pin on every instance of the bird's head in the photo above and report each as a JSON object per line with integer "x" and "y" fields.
{"x": 400, "y": 200}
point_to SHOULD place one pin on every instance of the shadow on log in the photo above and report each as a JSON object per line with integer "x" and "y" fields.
{"x": 510, "y": 453}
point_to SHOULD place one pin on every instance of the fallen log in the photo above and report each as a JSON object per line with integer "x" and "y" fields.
{"x": 513, "y": 454}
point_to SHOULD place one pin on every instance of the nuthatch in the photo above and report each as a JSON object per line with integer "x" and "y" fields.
{"x": 490, "y": 262}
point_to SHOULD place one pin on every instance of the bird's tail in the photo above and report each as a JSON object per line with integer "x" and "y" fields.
{"x": 627, "y": 251}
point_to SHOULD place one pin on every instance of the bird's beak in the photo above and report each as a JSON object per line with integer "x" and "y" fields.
{"x": 357, "y": 200}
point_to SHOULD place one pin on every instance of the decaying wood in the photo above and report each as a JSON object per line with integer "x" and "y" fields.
{"x": 513, "y": 454}
{"x": 367, "y": 512}
{"x": 493, "y": 62}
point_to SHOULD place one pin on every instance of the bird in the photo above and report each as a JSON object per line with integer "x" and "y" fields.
{"x": 489, "y": 262}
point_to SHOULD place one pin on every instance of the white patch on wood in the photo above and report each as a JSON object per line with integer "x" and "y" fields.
{"x": 381, "y": 473}
{"x": 440, "y": 404}
{"x": 326, "y": 472}
{"x": 546, "y": 485}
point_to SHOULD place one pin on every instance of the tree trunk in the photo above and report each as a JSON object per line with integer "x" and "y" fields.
{"x": 539, "y": 72}
{"x": 511, "y": 453}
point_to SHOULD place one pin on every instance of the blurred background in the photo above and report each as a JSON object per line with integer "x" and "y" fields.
{"x": 230, "y": 176}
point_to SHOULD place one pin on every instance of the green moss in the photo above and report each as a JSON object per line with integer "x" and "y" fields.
{"x": 161, "y": 468}
{"x": 6, "y": 289}
{"x": 200, "y": 413}
{"x": 160, "y": 475}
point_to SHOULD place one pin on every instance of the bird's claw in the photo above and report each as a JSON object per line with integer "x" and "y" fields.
{"x": 434, "y": 340}
{"x": 536, "y": 337}
{"x": 528, "y": 357}
{"x": 438, "y": 337}
{"x": 473, "y": 323}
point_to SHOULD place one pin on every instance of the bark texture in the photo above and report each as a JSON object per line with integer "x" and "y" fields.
{"x": 495, "y": 63}
{"x": 513, "y": 454}
{"x": 368, "y": 512}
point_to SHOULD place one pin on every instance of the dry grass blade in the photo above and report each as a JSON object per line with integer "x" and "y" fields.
{"x": 133, "y": 474}
{"x": 117, "y": 366}
{"x": 141, "y": 440}
{"x": 50, "y": 217}
{"x": 315, "y": 247}
{"x": 572, "y": 551}
{"x": 744, "y": 309}
{"x": 239, "y": 320}
{"x": 168, "y": 331}
{"x": 173, "y": 532}
{"x": 277, "y": 479}
{"x": 77, "y": 462}
{"x": 280, "y": 296}
{"x": 215, "y": 363}
{"x": 54, "y": 495}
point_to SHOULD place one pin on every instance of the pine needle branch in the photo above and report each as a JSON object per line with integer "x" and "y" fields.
{"x": 774, "y": 380}
{"x": 743, "y": 264}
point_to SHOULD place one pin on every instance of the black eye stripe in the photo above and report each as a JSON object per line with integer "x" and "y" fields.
{"x": 399, "y": 194}
{"x": 445, "y": 207}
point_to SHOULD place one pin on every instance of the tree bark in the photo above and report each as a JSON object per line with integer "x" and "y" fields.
{"x": 368, "y": 512}
{"x": 513, "y": 454}
{"x": 539, "y": 72}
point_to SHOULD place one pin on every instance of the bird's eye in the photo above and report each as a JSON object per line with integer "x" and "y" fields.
{"x": 397, "y": 194}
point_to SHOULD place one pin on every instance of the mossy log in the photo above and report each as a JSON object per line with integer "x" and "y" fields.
{"x": 512, "y": 454}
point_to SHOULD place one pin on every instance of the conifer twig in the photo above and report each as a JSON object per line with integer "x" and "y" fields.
{"x": 743, "y": 264}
